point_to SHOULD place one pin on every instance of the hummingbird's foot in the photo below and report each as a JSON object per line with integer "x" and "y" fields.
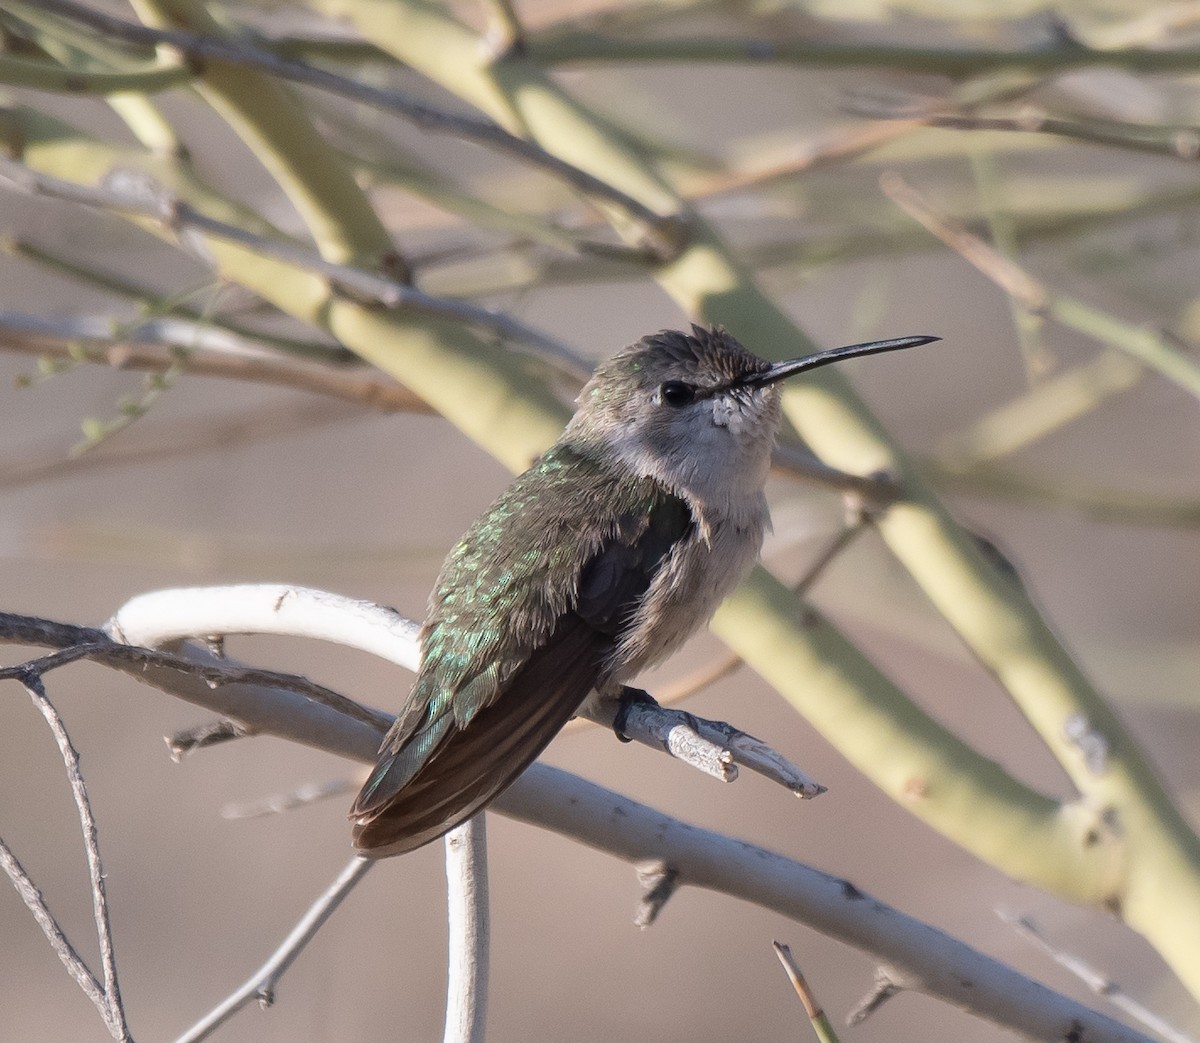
{"x": 629, "y": 697}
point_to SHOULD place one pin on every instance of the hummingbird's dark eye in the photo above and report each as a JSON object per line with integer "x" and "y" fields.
{"x": 676, "y": 393}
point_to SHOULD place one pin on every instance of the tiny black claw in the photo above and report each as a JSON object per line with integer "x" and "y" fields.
{"x": 629, "y": 697}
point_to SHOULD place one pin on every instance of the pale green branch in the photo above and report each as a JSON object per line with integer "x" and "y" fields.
{"x": 46, "y": 76}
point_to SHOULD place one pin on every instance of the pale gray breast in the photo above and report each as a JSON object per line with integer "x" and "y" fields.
{"x": 697, "y": 576}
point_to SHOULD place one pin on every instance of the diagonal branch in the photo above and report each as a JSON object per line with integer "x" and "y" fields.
{"x": 1153, "y": 348}
{"x": 32, "y": 897}
{"x": 262, "y": 983}
{"x": 113, "y": 1010}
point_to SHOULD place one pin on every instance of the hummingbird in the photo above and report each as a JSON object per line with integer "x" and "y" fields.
{"x": 602, "y": 559}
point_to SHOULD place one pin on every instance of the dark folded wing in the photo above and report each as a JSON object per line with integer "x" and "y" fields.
{"x": 472, "y": 765}
{"x": 487, "y": 702}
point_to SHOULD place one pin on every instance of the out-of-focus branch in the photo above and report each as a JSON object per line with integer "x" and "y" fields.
{"x": 1097, "y": 501}
{"x": 67, "y": 341}
{"x": 558, "y": 47}
{"x": 179, "y": 215}
{"x": 1100, "y": 984}
{"x": 42, "y": 75}
{"x": 666, "y": 229}
{"x": 1152, "y": 348}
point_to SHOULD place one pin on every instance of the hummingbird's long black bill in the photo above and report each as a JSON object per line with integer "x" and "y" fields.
{"x": 821, "y": 358}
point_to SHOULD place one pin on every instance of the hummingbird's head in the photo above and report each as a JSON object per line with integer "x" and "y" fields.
{"x": 696, "y": 411}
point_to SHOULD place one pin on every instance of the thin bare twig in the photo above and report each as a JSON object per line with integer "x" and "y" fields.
{"x": 468, "y": 914}
{"x": 114, "y": 1010}
{"x": 202, "y": 736}
{"x": 86, "y": 643}
{"x": 986, "y": 258}
{"x": 299, "y": 797}
{"x": 261, "y": 985}
{"x": 1180, "y": 141}
{"x": 666, "y": 232}
{"x": 32, "y": 897}
{"x": 883, "y": 989}
{"x": 1099, "y": 983}
{"x": 820, "y": 1022}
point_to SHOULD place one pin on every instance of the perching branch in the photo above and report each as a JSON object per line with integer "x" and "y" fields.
{"x": 161, "y": 617}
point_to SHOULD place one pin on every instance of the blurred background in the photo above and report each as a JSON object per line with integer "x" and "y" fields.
{"x": 1078, "y": 463}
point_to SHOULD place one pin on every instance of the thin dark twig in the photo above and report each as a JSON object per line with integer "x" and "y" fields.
{"x": 115, "y": 1011}
{"x": 32, "y": 897}
{"x": 1181, "y": 141}
{"x": 262, "y": 983}
{"x": 480, "y": 131}
{"x": 85, "y": 644}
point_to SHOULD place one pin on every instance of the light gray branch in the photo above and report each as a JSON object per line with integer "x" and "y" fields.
{"x": 1100, "y": 984}
{"x": 262, "y": 983}
{"x": 918, "y": 956}
{"x": 470, "y": 931}
{"x": 297, "y": 797}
